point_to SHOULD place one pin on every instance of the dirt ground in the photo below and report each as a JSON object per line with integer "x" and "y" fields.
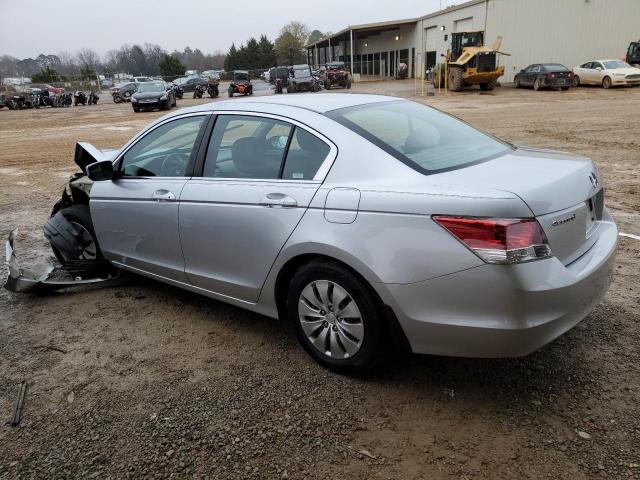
{"x": 150, "y": 381}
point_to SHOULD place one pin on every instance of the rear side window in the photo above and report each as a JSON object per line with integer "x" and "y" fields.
{"x": 423, "y": 138}
{"x": 246, "y": 146}
{"x": 306, "y": 154}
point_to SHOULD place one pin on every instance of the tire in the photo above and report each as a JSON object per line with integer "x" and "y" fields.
{"x": 89, "y": 259}
{"x": 360, "y": 345}
{"x": 516, "y": 82}
{"x": 537, "y": 84}
{"x": 564, "y": 89}
{"x": 456, "y": 80}
{"x": 576, "y": 81}
{"x": 606, "y": 82}
{"x": 289, "y": 90}
{"x": 490, "y": 85}
{"x": 349, "y": 83}
{"x": 327, "y": 85}
{"x": 230, "y": 91}
{"x": 136, "y": 109}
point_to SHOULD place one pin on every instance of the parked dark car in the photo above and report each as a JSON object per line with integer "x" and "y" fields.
{"x": 544, "y": 75}
{"x": 301, "y": 80}
{"x": 152, "y": 95}
{"x": 189, "y": 84}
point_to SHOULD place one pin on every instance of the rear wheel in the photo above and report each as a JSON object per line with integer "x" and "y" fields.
{"x": 230, "y": 91}
{"x": 336, "y": 316}
{"x": 564, "y": 89}
{"x": 348, "y": 82}
{"x": 537, "y": 84}
{"x": 516, "y": 82}
{"x": 606, "y": 82}
{"x": 136, "y": 109}
{"x": 456, "y": 80}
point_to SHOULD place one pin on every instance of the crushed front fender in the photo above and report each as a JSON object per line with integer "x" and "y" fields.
{"x": 42, "y": 277}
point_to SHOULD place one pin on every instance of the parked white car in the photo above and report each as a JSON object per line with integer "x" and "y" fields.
{"x": 607, "y": 73}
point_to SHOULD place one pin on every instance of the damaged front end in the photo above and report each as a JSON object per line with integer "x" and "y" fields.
{"x": 70, "y": 233}
{"x": 43, "y": 276}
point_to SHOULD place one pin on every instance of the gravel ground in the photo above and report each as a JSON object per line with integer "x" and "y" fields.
{"x": 145, "y": 380}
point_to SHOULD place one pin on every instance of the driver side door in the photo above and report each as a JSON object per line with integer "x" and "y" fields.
{"x": 135, "y": 215}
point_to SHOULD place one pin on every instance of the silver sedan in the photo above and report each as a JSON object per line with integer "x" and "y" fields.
{"x": 364, "y": 220}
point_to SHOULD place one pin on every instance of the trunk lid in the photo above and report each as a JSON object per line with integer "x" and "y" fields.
{"x": 563, "y": 191}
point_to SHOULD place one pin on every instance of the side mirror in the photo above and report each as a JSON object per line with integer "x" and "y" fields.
{"x": 599, "y": 69}
{"x": 100, "y": 171}
{"x": 522, "y": 71}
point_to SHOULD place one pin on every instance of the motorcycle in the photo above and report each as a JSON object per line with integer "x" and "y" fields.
{"x": 177, "y": 90}
{"x": 199, "y": 91}
{"x": 212, "y": 88}
{"x": 93, "y": 98}
{"x": 65, "y": 99}
{"x": 79, "y": 98}
{"x": 17, "y": 102}
{"x": 278, "y": 85}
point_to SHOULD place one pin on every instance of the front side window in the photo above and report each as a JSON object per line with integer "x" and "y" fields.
{"x": 165, "y": 151}
{"x": 423, "y": 138}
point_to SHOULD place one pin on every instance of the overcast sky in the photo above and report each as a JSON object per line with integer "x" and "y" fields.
{"x": 31, "y": 27}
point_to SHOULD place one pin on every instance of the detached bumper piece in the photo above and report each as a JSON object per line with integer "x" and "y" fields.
{"x": 43, "y": 276}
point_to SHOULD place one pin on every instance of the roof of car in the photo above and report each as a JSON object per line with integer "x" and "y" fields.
{"x": 320, "y": 103}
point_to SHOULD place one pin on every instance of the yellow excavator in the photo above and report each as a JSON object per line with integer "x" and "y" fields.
{"x": 469, "y": 62}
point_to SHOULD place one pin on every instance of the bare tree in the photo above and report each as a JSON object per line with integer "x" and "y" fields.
{"x": 88, "y": 57}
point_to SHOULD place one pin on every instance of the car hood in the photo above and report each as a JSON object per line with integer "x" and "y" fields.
{"x": 148, "y": 95}
{"x": 547, "y": 181}
{"x": 86, "y": 154}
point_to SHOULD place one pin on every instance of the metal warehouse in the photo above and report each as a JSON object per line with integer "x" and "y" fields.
{"x": 533, "y": 31}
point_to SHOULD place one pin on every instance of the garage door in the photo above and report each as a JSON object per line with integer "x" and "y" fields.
{"x": 430, "y": 39}
{"x": 464, "y": 25}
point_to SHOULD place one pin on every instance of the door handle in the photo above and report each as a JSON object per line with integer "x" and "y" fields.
{"x": 163, "y": 195}
{"x": 278, "y": 200}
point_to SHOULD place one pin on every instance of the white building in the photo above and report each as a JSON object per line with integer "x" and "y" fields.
{"x": 534, "y": 31}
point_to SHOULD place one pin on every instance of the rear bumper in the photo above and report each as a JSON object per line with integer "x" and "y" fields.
{"x": 558, "y": 82}
{"x": 503, "y": 311}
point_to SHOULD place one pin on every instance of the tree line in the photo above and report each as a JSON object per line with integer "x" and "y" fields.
{"x": 152, "y": 59}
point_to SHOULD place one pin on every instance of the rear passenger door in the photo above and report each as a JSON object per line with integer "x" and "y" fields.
{"x": 258, "y": 177}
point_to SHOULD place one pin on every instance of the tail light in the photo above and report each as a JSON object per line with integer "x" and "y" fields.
{"x": 570, "y": 74}
{"x": 499, "y": 240}
{"x": 550, "y": 75}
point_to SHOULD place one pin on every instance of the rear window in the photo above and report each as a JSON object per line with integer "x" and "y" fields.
{"x": 554, "y": 67}
{"x": 423, "y": 138}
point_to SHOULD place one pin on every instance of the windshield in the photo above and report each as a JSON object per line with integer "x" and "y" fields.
{"x": 555, "y": 67}
{"x": 305, "y": 72}
{"x": 424, "y": 138}
{"x": 150, "y": 87}
{"x": 616, "y": 64}
{"x": 240, "y": 76}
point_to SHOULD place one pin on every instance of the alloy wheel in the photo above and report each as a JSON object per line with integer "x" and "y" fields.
{"x": 331, "y": 319}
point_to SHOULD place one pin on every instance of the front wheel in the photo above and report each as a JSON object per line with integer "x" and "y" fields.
{"x": 336, "y": 316}
{"x": 87, "y": 258}
{"x": 349, "y": 83}
{"x": 576, "y": 81}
